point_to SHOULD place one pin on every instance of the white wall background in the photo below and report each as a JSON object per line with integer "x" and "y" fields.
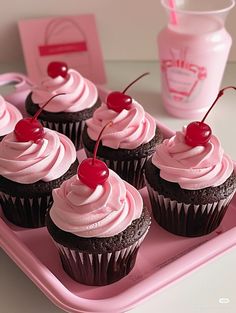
{"x": 127, "y": 28}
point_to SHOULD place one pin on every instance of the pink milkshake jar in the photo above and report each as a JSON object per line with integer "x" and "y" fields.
{"x": 193, "y": 51}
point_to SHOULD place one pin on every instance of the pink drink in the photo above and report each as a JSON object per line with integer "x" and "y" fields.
{"x": 193, "y": 54}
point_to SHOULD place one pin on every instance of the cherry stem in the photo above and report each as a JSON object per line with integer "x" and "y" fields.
{"x": 221, "y": 92}
{"x": 98, "y": 140}
{"x": 41, "y": 109}
{"x": 124, "y": 91}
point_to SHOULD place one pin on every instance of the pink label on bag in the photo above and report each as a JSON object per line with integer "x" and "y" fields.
{"x": 62, "y": 48}
{"x": 70, "y": 39}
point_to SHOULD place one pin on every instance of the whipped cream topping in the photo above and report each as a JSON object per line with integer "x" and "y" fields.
{"x": 192, "y": 167}
{"x": 104, "y": 211}
{"x": 130, "y": 129}
{"x": 80, "y": 93}
{"x": 29, "y": 162}
{"x": 9, "y": 116}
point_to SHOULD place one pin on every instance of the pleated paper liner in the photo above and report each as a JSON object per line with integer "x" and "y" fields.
{"x": 25, "y": 212}
{"x": 188, "y": 220}
{"x": 99, "y": 269}
{"x": 72, "y": 130}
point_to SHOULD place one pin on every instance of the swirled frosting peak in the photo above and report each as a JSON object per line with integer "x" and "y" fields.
{"x": 192, "y": 167}
{"x": 101, "y": 212}
{"x": 80, "y": 93}
{"x": 130, "y": 129}
{"x": 29, "y": 162}
{"x": 9, "y": 116}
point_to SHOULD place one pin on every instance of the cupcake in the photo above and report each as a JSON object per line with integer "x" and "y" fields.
{"x": 66, "y": 114}
{"x": 129, "y": 142}
{"x": 190, "y": 183}
{"x": 97, "y": 229}
{"x": 9, "y": 116}
{"x": 33, "y": 161}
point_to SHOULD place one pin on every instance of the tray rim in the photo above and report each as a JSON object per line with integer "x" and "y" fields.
{"x": 66, "y": 300}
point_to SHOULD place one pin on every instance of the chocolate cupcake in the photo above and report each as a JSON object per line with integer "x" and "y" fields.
{"x": 29, "y": 171}
{"x": 127, "y": 144}
{"x": 66, "y": 114}
{"x": 190, "y": 187}
{"x": 97, "y": 230}
{"x": 9, "y": 116}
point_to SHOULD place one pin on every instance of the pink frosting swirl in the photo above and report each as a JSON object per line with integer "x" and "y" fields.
{"x": 129, "y": 130}
{"x": 192, "y": 167}
{"x": 104, "y": 211}
{"x": 9, "y": 116}
{"x": 80, "y": 93}
{"x": 29, "y": 162}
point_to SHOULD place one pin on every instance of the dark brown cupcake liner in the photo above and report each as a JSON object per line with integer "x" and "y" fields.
{"x": 72, "y": 130}
{"x": 99, "y": 269}
{"x": 25, "y": 212}
{"x": 190, "y": 220}
{"x": 131, "y": 171}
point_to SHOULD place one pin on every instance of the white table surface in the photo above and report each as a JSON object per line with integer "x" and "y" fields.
{"x": 209, "y": 289}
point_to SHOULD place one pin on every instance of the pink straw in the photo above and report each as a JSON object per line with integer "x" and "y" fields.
{"x": 172, "y": 13}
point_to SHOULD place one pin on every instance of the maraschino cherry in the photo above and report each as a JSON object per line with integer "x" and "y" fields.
{"x": 93, "y": 172}
{"x": 199, "y": 133}
{"x": 119, "y": 101}
{"x": 56, "y": 69}
{"x": 29, "y": 128}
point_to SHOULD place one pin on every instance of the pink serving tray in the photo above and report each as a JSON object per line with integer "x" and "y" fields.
{"x": 163, "y": 259}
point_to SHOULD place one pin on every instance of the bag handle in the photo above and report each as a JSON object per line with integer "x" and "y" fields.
{"x": 21, "y": 80}
{"x": 22, "y": 85}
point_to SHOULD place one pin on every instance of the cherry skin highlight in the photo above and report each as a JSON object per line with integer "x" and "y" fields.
{"x": 118, "y": 101}
{"x": 56, "y": 69}
{"x": 29, "y": 128}
{"x": 93, "y": 172}
{"x": 199, "y": 133}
